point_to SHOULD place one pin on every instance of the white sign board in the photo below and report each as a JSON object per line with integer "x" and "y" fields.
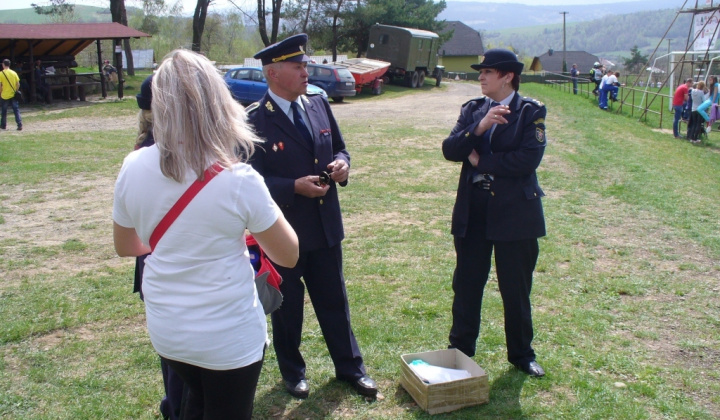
{"x": 706, "y": 30}
{"x": 142, "y": 59}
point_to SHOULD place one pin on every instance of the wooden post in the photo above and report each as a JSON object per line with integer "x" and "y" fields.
{"x": 118, "y": 66}
{"x": 103, "y": 82}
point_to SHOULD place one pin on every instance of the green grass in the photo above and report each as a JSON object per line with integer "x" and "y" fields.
{"x": 625, "y": 298}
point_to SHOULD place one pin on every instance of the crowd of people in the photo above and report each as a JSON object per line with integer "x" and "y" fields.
{"x": 698, "y": 105}
{"x": 197, "y": 181}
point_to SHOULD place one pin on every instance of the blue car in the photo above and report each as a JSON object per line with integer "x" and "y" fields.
{"x": 248, "y": 84}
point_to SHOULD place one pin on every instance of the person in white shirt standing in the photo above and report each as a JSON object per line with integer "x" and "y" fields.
{"x": 202, "y": 308}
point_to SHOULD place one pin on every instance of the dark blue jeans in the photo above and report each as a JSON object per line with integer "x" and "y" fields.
{"x": 16, "y": 110}
{"x": 676, "y": 122}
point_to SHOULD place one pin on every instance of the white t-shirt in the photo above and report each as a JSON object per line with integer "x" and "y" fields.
{"x": 200, "y": 298}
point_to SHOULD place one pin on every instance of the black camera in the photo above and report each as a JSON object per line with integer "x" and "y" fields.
{"x": 324, "y": 178}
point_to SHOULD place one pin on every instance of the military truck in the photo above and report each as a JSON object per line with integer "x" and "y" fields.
{"x": 411, "y": 52}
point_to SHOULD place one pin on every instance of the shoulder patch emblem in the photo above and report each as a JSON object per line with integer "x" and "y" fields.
{"x": 540, "y": 135}
{"x": 535, "y": 101}
{"x": 269, "y": 106}
{"x": 480, "y": 99}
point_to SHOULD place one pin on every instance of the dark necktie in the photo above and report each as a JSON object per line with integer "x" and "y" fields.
{"x": 300, "y": 124}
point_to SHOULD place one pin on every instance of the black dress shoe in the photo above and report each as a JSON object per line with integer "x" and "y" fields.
{"x": 364, "y": 386}
{"x": 298, "y": 389}
{"x": 531, "y": 368}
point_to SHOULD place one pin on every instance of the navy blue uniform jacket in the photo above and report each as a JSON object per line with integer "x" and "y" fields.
{"x": 514, "y": 208}
{"x": 286, "y": 156}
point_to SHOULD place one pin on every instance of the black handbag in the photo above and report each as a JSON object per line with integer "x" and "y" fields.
{"x": 18, "y": 95}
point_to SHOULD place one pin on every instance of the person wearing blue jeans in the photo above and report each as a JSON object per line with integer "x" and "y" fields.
{"x": 679, "y": 99}
{"x": 608, "y": 88}
{"x": 9, "y": 84}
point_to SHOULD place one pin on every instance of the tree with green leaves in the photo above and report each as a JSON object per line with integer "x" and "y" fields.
{"x": 119, "y": 15}
{"x": 201, "y": 11}
{"x": 636, "y": 62}
{"x": 274, "y": 12}
{"x": 418, "y": 14}
{"x": 59, "y": 11}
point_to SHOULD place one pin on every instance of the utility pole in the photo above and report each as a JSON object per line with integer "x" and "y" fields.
{"x": 564, "y": 68}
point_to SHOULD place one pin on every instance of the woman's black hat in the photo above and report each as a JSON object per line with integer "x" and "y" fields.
{"x": 500, "y": 59}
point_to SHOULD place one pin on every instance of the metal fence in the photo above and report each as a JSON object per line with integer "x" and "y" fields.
{"x": 649, "y": 105}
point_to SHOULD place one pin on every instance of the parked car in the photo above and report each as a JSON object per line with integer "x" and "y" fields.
{"x": 248, "y": 84}
{"x": 337, "y": 81}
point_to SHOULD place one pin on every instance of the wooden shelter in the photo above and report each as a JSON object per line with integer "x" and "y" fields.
{"x": 59, "y": 43}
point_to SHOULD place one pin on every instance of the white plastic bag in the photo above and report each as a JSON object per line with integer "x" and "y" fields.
{"x": 435, "y": 374}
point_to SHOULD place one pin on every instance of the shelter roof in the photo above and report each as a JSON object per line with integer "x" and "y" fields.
{"x": 465, "y": 40}
{"x": 58, "y": 39}
{"x": 554, "y": 62}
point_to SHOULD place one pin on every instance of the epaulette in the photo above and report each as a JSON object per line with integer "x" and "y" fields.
{"x": 531, "y": 100}
{"x": 313, "y": 93}
{"x": 252, "y": 107}
{"x": 480, "y": 99}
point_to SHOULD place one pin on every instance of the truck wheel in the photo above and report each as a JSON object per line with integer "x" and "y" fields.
{"x": 414, "y": 80}
{"x": 421, "y": 79}
{"x": 437, "y": 80}
{"x": 407, "y": 81}
{"x": 338, "y": 98}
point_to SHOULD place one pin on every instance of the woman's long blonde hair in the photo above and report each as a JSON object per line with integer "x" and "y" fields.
{"x": 196, "y": 122}
{"x": 145, "y": 126}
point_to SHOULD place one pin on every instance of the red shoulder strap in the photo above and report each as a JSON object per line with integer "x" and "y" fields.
{"x": 182, "y": 202}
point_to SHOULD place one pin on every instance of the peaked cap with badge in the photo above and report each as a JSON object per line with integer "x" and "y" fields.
{"x": 289, "y": 49}
{"x": 500, "y": 59}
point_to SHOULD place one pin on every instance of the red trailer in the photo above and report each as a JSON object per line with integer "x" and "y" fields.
{"x": 367, "y": 73}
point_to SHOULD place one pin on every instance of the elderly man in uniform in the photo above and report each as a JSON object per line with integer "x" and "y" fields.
{"x": 303, "y": 161}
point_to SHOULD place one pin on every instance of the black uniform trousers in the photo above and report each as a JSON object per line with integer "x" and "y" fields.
{"x": 321, "y": 271}
{"x": 514, "y": 265}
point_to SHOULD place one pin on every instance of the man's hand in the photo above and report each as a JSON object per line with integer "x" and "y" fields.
{"x": 308, "y": 186}
{"x": 339, "y": 170}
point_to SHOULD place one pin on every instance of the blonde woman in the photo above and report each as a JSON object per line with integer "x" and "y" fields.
{"x": 202, "y": 309}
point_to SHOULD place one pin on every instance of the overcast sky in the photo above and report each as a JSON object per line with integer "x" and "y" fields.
{"x": 189, "y": 5}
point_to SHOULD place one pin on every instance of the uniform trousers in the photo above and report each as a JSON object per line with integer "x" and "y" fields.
{"x": 514, "y": 265}
{"x": 322, "y": 273}
{"x": 217, "y": 394}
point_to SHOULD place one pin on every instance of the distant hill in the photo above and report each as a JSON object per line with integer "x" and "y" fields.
{"x": 493, "y": 16}
{"x": 613, "y": 31}
{"x": 86, "y": 14}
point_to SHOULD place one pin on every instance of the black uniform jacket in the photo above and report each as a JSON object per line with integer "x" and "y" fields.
{"x": 286, "y": 156}
{"x": 514, "y": 208}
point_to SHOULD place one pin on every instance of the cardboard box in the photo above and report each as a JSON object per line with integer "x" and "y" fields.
{"x": 446, "y": 396}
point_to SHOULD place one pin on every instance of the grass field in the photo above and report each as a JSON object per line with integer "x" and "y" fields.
{"x": 626, "y": 294}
